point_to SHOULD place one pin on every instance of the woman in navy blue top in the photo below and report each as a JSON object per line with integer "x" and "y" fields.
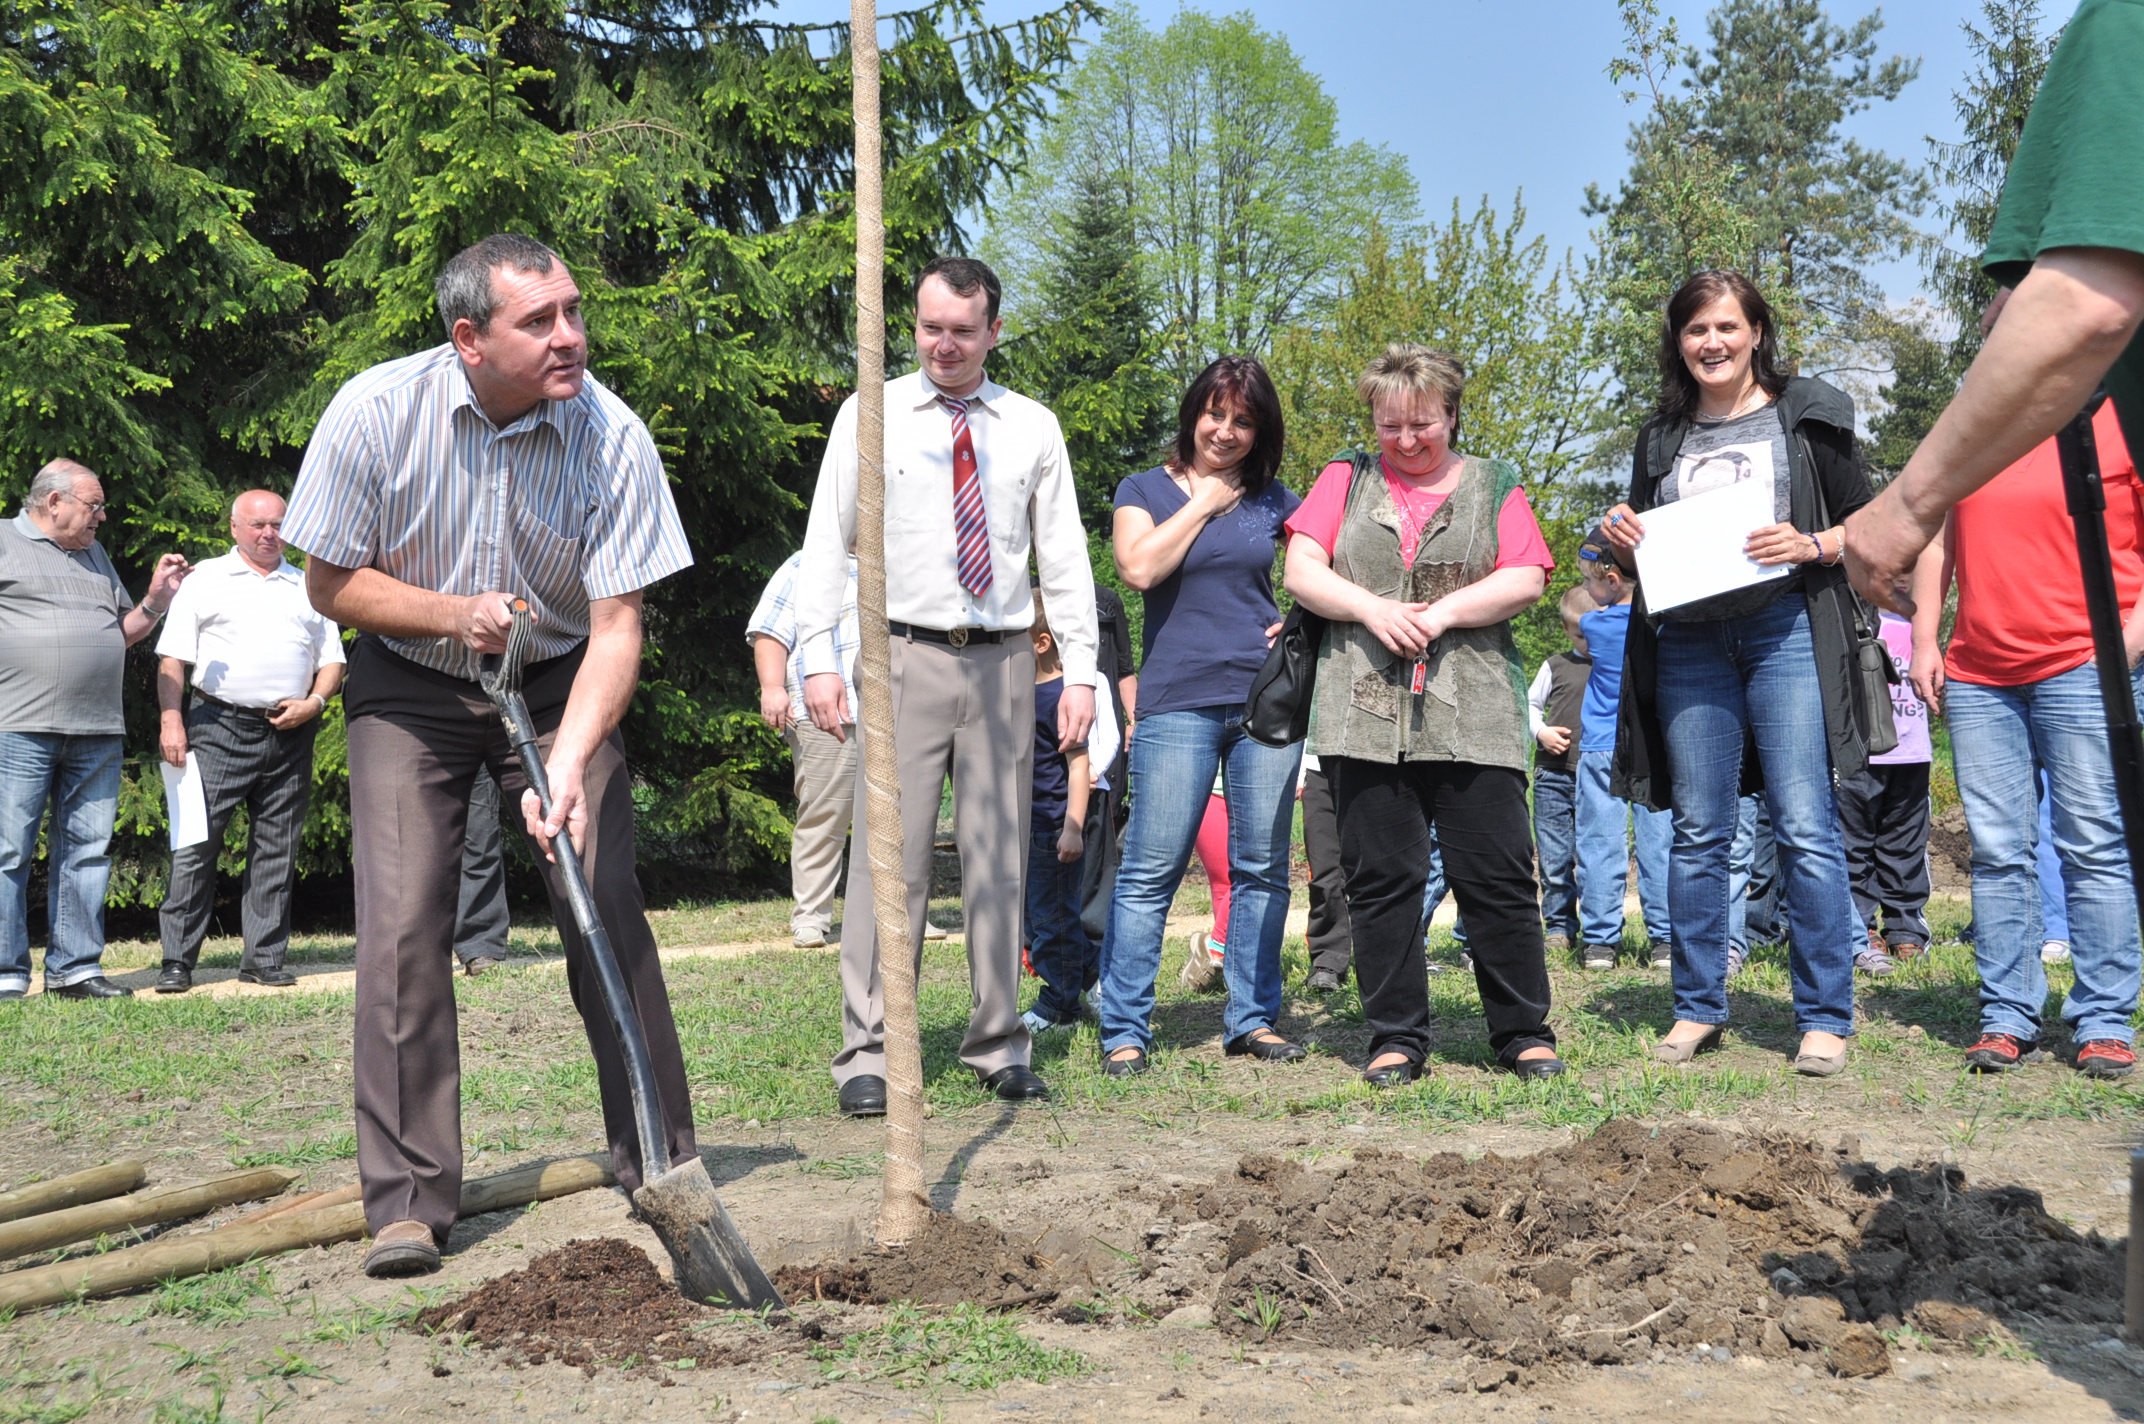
{"x": 1196, "y": 536}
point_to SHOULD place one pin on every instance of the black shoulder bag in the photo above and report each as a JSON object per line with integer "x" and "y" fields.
{"x": 1277, "y": 711}
{"x": 1873, "y": 671}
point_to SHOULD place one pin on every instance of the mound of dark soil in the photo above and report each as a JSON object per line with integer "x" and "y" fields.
{"x": 600, "y": 1301}
{"x": 1678, "y": 1235}
{"x": 951, "y": 1261}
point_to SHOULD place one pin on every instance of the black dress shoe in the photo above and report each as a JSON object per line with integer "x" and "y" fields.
{"x": 864, "y": 1096}
{"x": 1132, "y": 1067}
{"x": 1540, "y": 1068}
{"x": 1393, "y": 1075}
{"x": 273, "y": 978}
{"x": 1017, "y": 1084}
{"x": 97, "y": 988}
{"x": 1263, "y": 1043}
{"x": 1323, "y": 981}
{"x": 176, "y": 978}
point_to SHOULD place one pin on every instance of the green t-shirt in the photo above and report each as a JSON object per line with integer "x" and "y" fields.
{"x": 2078, "y": 177}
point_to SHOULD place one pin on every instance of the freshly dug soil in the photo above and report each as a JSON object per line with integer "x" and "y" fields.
{"x": 596, "y": 1302}
{"x": 951, "y": 1261}
{"x": 1681, "y": 1235}
{"x": 1950, "y": 851}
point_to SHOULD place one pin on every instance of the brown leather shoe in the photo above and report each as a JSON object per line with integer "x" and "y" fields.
{"x": 403, "y": 1248}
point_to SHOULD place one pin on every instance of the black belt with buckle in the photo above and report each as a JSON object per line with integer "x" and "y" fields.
{"x": 268, "y": 712}
{"x": 955, "y": 638}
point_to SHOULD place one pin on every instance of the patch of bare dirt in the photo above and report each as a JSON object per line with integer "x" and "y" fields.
{"x": 1599, "y": 1253}
{"x": 953, "y": 1260}
{"x": 1682, "y": 1236}
{"x": 598, "y": 1302}
{"x": 1950, "y": 852}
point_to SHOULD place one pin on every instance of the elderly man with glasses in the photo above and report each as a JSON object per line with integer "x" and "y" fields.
{"x": 66, "y": 623}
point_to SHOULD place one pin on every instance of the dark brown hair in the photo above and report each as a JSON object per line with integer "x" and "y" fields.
{"x": 1678, "y": 388}
{"x": 966, "y": 276}
{"x": 1239, "y": 381}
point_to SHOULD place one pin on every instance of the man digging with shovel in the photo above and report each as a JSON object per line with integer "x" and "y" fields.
{"x": 436, "y": 489}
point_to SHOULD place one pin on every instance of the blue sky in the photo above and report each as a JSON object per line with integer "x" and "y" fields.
{"x": 1492, "y": 96}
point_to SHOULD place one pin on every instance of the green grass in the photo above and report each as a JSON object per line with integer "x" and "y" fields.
{"x": 265, "y": 1079}
{"x": 223, "y": 1297}
{"x": 966, "y": 1347}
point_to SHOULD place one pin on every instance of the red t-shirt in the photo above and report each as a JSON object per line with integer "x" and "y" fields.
{"x": 1518, "y": 537}
{"x": 2021, "y": 613}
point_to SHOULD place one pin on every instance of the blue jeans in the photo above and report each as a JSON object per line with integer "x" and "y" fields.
{"x": 1433, "y": 891}
{"x": 1057, "y": 943}
{"x": 1604, "y": 857}
{"x": 2054, "y": 896}
{"x": 79, "y": 778}
{"x": 1721, "y": 684}
{"x": 1997, "y": 735}
{"x": 1556, "y": 843}
{"x": 1174, "y": 758}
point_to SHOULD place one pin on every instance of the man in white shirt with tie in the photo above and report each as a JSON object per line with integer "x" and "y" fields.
{"x": 977, "y": 478}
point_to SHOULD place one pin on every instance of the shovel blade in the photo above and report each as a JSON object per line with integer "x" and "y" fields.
{"x": 713, "y": 1263}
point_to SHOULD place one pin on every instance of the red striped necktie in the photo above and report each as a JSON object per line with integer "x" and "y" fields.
{"x": 971, "y": 527}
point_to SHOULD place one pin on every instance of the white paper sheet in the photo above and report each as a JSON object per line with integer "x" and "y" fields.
{"x": 185, "y": 803}
{"x": 1693, "y": 548}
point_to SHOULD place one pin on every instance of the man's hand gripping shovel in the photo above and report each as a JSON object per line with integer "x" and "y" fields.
{"x": 676, "y": 1199}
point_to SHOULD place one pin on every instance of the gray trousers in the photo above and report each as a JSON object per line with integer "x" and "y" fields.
{"x": 244, "y": 762}
{"x": 968, "y": 713}
{"x": 825, "y": 781}
{"x": 417, "y": 740}
{"x": 480, "y": 918}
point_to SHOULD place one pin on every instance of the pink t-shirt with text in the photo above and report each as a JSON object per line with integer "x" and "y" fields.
{"x": 1518, "y": 536}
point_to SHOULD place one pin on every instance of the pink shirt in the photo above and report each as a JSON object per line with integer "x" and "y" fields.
{"x": 1518, "y": 536}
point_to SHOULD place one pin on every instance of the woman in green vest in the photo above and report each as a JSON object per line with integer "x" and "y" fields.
{"x": 1420, "y": 556}
{"x": 1754, "y": 688}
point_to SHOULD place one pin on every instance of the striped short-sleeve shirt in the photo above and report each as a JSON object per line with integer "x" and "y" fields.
{"x": 406, "y": 474}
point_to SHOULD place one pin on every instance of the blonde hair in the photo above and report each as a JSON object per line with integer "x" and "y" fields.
{"x": 1407, "y": 370}
{"x": 1576, "y": 602}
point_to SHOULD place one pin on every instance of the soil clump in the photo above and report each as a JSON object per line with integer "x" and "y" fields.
{"x": 1635, "y": 1238}
{"x": 601, "y": 1302}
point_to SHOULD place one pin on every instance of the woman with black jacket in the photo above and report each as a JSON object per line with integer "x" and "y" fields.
{"x": 1753, "y": 688}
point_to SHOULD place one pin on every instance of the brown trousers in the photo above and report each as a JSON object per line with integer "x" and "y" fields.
{"x": 968, "y": 712}
{"x": 417, "y": 738}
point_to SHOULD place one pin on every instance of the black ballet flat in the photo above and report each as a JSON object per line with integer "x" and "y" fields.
{"x": 1124, "y": 1067}
{"x": 1263, "y": 1043}
{"x": 1539, "y": 1068}
{"x": 1394, "y": 1075}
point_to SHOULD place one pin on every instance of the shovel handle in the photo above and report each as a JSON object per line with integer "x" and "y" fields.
{"x": 617, "y": 1000}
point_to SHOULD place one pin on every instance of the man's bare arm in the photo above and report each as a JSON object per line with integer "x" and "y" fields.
{"x": 170, "y": 697}
{"x": 2075, "y": 312}
{"x": 602, "y": 690}
{"x": 373, "y": 602}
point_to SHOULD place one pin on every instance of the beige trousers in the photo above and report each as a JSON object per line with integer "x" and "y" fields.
{"x": 968, "y": 713}
{"x": 826, "y": 793}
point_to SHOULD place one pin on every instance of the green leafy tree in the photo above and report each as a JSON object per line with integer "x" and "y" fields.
{"x": 1749, "y": 168}
{"x": 2010, "y": 56}
{"x": 213, "y": 211}
{"x": 1223, "y": 148}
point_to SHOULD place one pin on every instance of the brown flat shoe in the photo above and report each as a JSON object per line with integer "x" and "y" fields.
{"x": 1812, "y": 1065}
{"x": 1706, "y": 1042}
{"x": 403, "y": 1248}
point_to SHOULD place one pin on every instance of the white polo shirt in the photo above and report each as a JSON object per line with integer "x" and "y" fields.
{"x": 253, "y": 638}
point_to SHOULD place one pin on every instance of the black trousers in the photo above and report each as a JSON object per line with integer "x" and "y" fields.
{"x": 1884, "y": 813}
{"x": 1098, "y": 863}
{"x": 481, "y": 919}
{"x": 244, "y": 762}
{"x": 1332, "y": 946}
{"x": 1391, "y": 816}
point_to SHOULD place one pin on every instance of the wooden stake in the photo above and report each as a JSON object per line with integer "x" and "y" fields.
{"x": 903, "y": 1205}
{"x": 107, "y": 1218}
{"x": 96, "y": 1184}
{"x": 198, "y": 1254}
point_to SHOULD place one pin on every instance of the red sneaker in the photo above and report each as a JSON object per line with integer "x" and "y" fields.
{"x": 2106, "y": 1058}
{"x": 2000, "y": 1052}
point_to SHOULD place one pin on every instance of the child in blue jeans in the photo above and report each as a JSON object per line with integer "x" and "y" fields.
{"x": 1059, "y": 951}
{"x": 1553, "y": 706}
{"x": 1603, "y": 820}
